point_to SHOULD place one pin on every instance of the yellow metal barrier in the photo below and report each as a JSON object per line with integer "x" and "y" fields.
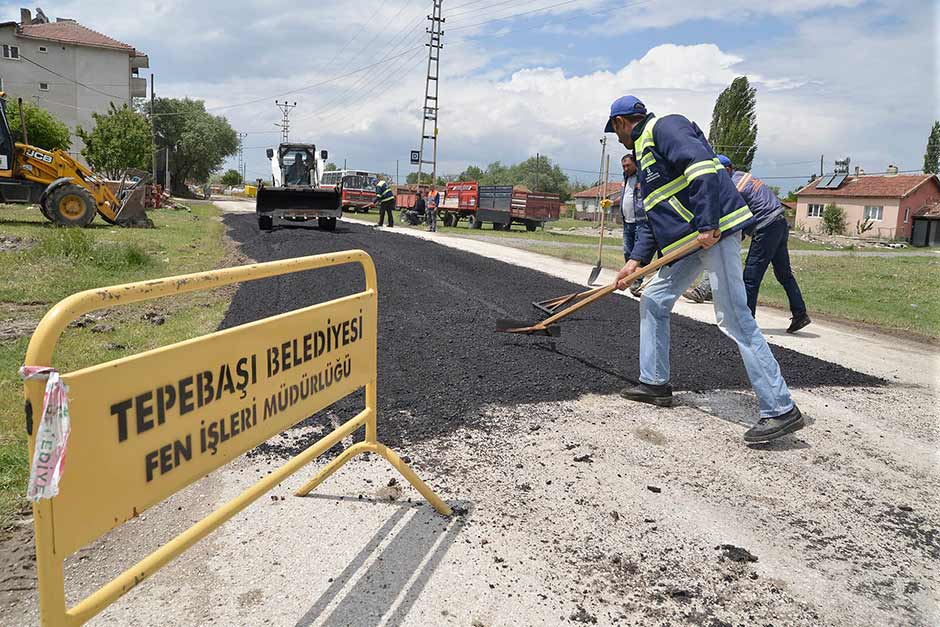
{"x": 146, "y": 426}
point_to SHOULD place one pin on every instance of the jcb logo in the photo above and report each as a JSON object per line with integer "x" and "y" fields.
{"x": 42, "y": 156}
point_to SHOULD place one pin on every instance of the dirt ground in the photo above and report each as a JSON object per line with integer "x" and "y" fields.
{"x": 581, "y": 507}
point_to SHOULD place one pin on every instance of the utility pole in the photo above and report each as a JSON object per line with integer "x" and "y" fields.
{"x": 153, "y": 131}
{"x": 431, "y": 105}
{"x": 396, "y": 172}
{"x": 821, "y": 171}
{"x": 285, "y": 108}
{"x": 241, "y": 155}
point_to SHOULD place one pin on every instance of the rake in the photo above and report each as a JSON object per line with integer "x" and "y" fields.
{"x": 546, "y": 327}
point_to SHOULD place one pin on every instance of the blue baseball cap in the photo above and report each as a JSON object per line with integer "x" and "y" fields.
{"x": 725, "y": 161}
{"x": 625, "y": 105}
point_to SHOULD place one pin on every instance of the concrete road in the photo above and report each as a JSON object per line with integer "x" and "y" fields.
{"x": 582, "y": 509}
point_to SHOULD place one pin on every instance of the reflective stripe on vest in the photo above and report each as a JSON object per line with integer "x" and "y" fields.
{"x": 728, "y": 222}
{"x": 744, "y": 181}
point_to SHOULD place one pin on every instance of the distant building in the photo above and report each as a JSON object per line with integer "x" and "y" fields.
{"x": 585, "y": 203}
{"x": 889, "y": 201}
{"x": 68, "y": 69}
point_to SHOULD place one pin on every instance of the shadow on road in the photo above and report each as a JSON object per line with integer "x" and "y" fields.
{"x": 401, "y": 557}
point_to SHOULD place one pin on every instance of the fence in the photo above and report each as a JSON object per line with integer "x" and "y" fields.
{"x": 148, "y": 425}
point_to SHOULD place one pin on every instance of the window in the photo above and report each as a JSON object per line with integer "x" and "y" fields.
{"x": 43, "y": 49}
{"x": 875, "y": 214}
{"x": 814, "y": 211}
{"x": 11, "y": 52}
{"x": 907, "y": 211}
{"x": 43, "y": 87}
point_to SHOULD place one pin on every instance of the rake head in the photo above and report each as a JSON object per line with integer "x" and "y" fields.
{"x": 520, "y": 327}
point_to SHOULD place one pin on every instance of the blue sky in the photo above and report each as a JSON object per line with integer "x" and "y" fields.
{"x": 835, "y": 77}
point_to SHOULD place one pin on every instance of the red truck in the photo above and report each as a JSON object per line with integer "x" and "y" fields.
{"x": 501, "y": 205}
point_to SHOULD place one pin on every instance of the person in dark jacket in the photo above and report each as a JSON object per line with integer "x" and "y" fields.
{"x": 687, "y": 196}
{"x": 768, "y": 246}
{"x": 421, "y": 205}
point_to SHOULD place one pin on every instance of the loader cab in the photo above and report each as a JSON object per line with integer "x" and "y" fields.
{"x": 7, "y": 144}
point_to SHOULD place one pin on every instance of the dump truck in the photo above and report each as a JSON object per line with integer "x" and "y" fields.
{"x": 295, "y": 194}
{"x": 68, "y": 193}
{"x": 503, "y": 206}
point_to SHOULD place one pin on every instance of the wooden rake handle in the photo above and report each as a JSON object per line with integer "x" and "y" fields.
{"x": 675, "y": 255}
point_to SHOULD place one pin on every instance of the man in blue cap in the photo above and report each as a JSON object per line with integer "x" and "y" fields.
{"x": 688, "y": 196}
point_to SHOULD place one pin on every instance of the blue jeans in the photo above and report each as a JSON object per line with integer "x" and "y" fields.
{"x": 722, "y": 262}
{"x": 769, "y": 246}
{"x": 629, "y": 239}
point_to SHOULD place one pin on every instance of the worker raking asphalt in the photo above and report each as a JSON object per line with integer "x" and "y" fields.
{"x": 439, "y": 359}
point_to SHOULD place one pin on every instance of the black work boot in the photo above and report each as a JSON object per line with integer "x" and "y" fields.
{"x": 660, "y": 395}
{"x": 768, "y": 429}
{"x": 798, "y": 322}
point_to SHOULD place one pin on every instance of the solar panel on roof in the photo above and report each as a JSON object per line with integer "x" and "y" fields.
{"x": 837, "y": 181}
{"x": 824, "y": 181}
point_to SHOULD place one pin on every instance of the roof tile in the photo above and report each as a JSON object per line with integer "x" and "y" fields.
{"x": 72, "y": 33}
{"x": 897, "y": 186}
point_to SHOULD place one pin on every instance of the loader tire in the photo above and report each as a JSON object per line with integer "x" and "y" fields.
{"x": 326, "y": 224}
{"x": 265, "y": 223}
{"x": 71, "y": 205}
{"x": 473, "y": 222}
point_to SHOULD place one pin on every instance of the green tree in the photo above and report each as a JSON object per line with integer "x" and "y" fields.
{"x": 412, "y": 179}
{"x": 330, "y": 167}
{"x": 231, "y": 178}
{"x": 932, "y": 155}
{"x": 833, "y": 219}
{"x": 120, "y": 140}
{"x": 198, "y": 141}
{"x": 539, "y": 175}
{"x": 472, "y": 173}
{"x": 44, "y": 129}
{"x": 734, "y": 124}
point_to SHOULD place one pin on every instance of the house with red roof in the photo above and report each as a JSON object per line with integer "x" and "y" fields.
{"x": 68, "y": 69}
{"x": 889, "y": 201}
{"x": 585, "y": 202}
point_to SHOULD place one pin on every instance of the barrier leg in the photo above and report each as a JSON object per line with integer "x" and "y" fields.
{"x": 333, "y": 466}
{"x": 429, "y": 494}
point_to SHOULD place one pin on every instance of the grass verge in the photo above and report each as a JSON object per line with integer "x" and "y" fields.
{"x": 52, "y": 263}
{"x": 893, "y": 293}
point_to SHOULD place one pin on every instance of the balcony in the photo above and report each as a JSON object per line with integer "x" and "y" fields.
{"x": 140, "y": 61}
{"x": 138, "y": 87}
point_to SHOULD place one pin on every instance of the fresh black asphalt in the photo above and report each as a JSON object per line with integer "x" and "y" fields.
{"x": 440, "y": 360}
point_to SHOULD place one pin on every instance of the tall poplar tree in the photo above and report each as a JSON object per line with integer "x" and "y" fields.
{"x": 733, "y": 131}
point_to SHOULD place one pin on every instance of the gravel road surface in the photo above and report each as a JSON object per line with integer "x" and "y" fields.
{"x": 581, "y": 507}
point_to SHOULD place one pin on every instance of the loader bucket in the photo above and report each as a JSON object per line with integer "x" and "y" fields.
{"x": 131, "y": 212}
{"x": 287, "y": 199}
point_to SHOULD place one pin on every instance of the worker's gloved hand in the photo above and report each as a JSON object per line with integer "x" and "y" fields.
{"x": 605, "y": 204}
{"x": 709, "y": 238}
{"x": 629, "y": 268}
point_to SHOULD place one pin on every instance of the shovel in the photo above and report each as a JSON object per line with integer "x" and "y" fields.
{"x": 545, "y": 327}
{"x": 600, "y": 246}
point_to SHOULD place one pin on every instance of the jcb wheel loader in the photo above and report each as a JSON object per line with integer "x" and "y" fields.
{"x": 67, "y": 192}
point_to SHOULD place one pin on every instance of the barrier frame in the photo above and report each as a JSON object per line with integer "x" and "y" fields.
{"x": 42, "y": 345}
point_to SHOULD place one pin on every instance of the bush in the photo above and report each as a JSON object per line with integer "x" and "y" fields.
{"x": 863, "y": 227}
{"x": 76, "y": 245}
{"x": 833, "y": 219}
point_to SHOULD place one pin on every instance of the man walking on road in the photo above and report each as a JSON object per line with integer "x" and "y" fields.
{"x": 769, "y": 236}
{"x": 631, "y": 210}
{"x": 385, "y": 200}
{"x": 687, "y": 196}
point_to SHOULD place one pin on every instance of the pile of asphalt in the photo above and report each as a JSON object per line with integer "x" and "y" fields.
{"x": 440, "y": 360}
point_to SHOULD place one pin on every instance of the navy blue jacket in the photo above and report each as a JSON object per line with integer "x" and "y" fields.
{"x": 686, "y": 191}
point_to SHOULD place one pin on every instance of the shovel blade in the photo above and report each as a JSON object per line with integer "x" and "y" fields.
{"x": 595, "y": 272}
{"x": 519, "y": 327}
